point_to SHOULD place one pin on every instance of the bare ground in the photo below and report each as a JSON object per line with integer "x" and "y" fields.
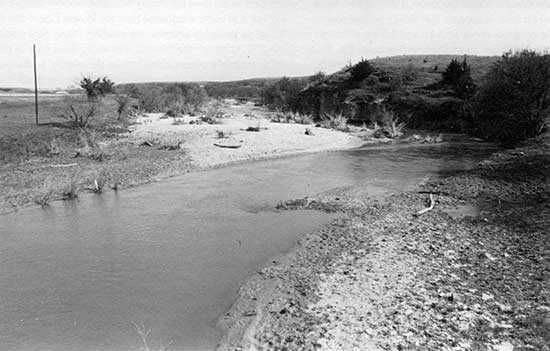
{"x": 471, "y": 274}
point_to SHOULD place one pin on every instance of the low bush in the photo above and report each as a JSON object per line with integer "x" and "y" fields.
{"x": 71, "y": 190}
{"x": 514, "y": 103}
{"x": 178, "y": 121}
{"x": 221, "y": 134}
{"x": 336, "y": 121}
{"x": 436, "y": 113}
{"x": 391, "y": 126}
{"x": 43, "y": 199}
{"x": 291, "y": 117}
{"x": 80, "y": 110}
{"x": 210, "y": 120}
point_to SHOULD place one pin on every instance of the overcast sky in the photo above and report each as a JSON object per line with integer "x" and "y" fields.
{"x": 169, "y": 40}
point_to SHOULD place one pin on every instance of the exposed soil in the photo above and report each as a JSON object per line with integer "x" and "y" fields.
{"x": 471, "y": 274}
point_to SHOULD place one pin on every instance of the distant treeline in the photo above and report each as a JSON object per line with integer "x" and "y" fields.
{"x": 173, "y": 98}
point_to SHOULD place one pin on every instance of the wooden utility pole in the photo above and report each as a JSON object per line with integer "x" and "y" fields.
{"x": 35, "y": 85}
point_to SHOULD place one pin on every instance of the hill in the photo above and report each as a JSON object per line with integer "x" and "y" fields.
{"x": 16, "y": 91}
{"x": 431, "y": 66}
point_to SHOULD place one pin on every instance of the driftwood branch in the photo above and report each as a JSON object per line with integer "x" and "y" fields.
{"x": 60, "y": 165}
{"x": 432, "y": 204}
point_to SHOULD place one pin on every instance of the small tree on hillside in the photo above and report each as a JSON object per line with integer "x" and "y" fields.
{"x": 457, "y": 76}
{"x": 361, "y": 70}
{"x": 514, "y": 103}
{"x": 96, "y": 88}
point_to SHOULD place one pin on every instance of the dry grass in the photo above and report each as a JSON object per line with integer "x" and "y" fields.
{"x": 336, "y": 122}
{"x": 144, "y": 334}
{"x": 46, "y": 195}
{"x": 71, "y": 190}
{"x": 391, "y": 126}
{"x": 291, "y": 117}
{"x": 220, "y": 134}
{"x": 178, "y": 121}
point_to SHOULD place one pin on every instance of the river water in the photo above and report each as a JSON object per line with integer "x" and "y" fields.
{"x": 171, "y": 255}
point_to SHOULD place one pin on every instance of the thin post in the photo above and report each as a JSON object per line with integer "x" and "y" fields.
{"x": 35, "y": 85}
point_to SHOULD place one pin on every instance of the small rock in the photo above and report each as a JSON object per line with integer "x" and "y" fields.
{"x": 503, "y": 307}
{"x": 487, "y": 297}
{"x": 505, "y": 346}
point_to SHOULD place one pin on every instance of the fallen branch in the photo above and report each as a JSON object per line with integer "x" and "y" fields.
{"x": 60, "y": 165}
{"x": 432, "y": 204}
{"x": 227, "y": 146}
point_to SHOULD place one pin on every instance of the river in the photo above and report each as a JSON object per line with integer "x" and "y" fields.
{"x": 171, "y": 255}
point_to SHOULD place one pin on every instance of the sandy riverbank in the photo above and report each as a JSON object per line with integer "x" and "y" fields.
{"x": 271, "y": 139}
{"x": 471, "y": 274}
{"x": 155, "y": 148}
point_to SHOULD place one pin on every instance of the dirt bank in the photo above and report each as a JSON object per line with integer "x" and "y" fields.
{"x": 151, "y": 148}
{"x": 471, "y": 274}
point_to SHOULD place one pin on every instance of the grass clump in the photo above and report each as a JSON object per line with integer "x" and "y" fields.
{"x": 71, "y": 191}
{"x": 390, "y": 125}
{"x": 291, "y": 117}
{"x": 144, "y": 333}
{"x": 44, "y": 199}
{"x": 220, "y": 134}
{"x": 178, "y": 121}
{"x": 335, "y": 121}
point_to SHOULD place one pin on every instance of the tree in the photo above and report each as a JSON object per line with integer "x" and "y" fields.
{"x": 283, "y": 94}
{"x": 80, "y": 110}
{"x": 361, "y": 70}
{"x": 457, "y": 76}
{"x": 96, "y": 88}
{"x": 317, "y": 77}
{"x": 184, "y": 98}
{"x": 514, "y": 102}
{"x": 122, "y": 101}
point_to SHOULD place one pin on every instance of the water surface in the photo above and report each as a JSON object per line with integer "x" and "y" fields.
{"x": 171, "y": 255}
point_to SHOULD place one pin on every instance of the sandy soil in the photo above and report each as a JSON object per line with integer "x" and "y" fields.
{"x": 381, "y": 278}
{"x": 272, "y": 139}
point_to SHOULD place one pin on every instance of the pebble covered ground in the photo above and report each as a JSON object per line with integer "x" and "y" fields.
{"x": 471, "y": 274}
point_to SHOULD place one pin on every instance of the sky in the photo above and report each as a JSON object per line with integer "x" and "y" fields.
{"x": 169, "y": 40}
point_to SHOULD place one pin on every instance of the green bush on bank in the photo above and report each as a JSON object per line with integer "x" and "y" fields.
{"x": 514, "y": 103}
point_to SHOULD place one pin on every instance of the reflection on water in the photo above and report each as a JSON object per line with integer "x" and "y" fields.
{"x": 172, "y": 254}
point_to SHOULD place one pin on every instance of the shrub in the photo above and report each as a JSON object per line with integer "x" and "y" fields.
{"x": 44, "y": 197}
{"x": 435, "y": 113}
{"x": 336, "y": 121}
{"x": 214, "y": 111}
{"x": 221, "y": 134}
{"x": 283, "y": 94}
{"x": 361, "y": 70}
{"x": 457, "y": 76}
{"x": 178, "y": 121}
{"x": 178, "y": 98}
{"x": 514, "y": 102}
{"x": 291, "y": 117}
{"x": 391, "y": 126}
{"x": 96, "y": 88}
{"x": 80, "y": 110}
{"x": 209, "y": 120}
{"x": 71, "y": 191}
{"x": 122, "y": 102}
